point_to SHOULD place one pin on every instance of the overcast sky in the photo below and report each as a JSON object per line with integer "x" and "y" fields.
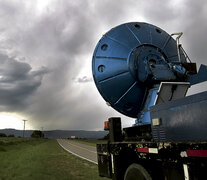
{"x": 46, "y": 49}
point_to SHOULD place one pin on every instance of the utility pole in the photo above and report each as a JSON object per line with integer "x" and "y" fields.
{"x": 24, "y": 127}
{"x": 42, "y": 132}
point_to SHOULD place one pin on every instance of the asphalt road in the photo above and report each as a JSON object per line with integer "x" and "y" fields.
{"x": 81, "y": 150}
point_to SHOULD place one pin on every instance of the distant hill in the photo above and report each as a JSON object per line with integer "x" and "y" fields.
{"x": 54, "y": 134}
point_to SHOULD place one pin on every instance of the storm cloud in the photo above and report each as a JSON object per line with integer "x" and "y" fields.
{"x": 49, "y": 82}
{"x": 17, "y": 83}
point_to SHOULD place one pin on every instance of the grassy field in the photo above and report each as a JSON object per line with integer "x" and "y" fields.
{"x": 25, "y": 159}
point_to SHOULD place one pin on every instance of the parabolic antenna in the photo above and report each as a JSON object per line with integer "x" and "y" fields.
{"x": 123, "y": 63}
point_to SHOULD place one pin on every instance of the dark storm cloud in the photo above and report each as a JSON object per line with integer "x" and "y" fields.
{"x": 62, "y": 38}
{"x": 17, "y": 83}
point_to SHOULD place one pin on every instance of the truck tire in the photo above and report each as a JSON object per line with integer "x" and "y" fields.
{"x": 136, "y": 172}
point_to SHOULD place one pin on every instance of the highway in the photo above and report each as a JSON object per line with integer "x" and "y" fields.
{"x": 81, "y": 150}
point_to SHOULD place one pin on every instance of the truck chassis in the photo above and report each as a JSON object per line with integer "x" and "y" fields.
{"x": 159, "y": 151}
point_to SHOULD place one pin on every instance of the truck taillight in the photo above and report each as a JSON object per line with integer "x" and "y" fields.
{"x": 106, "y": 125}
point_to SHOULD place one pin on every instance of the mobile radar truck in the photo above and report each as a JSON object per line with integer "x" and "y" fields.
{"x": 144, "y": 73}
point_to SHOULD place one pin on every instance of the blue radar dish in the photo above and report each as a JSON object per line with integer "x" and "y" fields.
{"x": 119, "y": 63}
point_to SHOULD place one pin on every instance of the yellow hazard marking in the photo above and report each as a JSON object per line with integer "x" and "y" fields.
{"x": 81, "y": 147}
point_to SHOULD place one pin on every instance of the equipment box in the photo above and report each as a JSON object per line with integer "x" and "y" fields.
{"x": 183, "y": 119}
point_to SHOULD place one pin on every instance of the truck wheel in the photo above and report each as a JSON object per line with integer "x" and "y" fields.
{"x": 136, "y": 172}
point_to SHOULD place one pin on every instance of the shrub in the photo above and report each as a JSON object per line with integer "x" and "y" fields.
{"x": 2, "y": 135}
{"x": 11, "y": 135}
{"x": 37, "y": 134}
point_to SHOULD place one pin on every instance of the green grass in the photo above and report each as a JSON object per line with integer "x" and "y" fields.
{"x": 90, "y": 142}
{"x": 25, "y": 159}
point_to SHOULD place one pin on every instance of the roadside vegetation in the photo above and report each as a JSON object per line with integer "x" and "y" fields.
{"x": 38, "y": 158}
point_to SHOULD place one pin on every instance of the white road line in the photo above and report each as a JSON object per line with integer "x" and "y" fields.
{"x": 76, "y": 154}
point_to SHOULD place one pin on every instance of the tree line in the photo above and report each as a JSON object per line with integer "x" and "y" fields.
{"x": 35, "y": 134}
